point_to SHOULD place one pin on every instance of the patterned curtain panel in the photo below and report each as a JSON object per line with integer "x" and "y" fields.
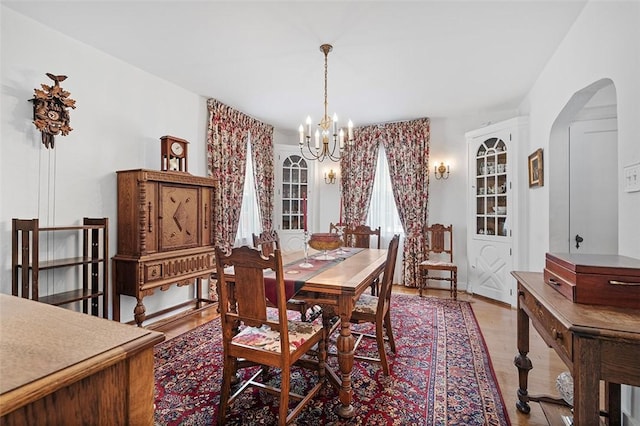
{"x": 263, "y": 171}
{"x": 407, "y": 148}
{"x": 227, "y": 134}
{"x": 358, "y": 171}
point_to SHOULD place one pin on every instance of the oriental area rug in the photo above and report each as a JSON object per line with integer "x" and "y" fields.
{"x": 440, "y": 375}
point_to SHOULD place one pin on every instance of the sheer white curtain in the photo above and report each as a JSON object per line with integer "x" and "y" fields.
{"x": 249, "y": 217}
{"x": 383, "y": 211}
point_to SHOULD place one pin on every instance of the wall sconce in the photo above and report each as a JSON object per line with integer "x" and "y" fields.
{"x": 441, "y": 171}
{"x": 330, "y": 178}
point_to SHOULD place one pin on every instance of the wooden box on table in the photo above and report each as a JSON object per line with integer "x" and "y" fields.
{"x": 594, "y": 279}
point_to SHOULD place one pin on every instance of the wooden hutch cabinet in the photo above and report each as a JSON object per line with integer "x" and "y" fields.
{"x": 496, "y": 243}
{"x": 165, "y": 235}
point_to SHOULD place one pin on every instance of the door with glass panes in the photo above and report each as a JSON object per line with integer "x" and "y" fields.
{"x": 489, "y": 245}
{"x": 293, "y": 174}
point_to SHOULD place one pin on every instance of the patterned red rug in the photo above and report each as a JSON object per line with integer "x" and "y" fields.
{"x": 441, "y": 375}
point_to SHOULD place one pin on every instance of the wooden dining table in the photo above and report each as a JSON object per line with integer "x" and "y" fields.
{"x": 336, "y": 288}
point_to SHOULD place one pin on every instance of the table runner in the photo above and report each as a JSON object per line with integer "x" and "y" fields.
{"x": 295, "y": 276}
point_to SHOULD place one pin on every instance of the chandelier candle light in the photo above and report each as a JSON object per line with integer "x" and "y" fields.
{"x": 327, "y": 129}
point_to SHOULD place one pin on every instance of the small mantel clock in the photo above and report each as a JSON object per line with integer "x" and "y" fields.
{"x": 173, "y": 154}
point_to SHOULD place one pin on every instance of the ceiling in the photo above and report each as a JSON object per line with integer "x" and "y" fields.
{"x": 391, "y": 60}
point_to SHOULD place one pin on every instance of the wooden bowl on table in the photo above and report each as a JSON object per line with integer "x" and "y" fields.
{"x": 325, "y": 241}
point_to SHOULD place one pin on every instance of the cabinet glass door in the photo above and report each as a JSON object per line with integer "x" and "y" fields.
{"x": 294, "y": 192}
{"x": 491, "y": 188}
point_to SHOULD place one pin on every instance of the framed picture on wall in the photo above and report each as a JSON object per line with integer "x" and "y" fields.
{"x": 536, "y": 172}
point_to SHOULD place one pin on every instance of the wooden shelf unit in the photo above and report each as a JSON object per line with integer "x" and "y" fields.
{"x": 26, "y": 264}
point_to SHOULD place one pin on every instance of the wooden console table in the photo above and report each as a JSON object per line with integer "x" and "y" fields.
{"x": 595, "y": 342}
{"x": 63, "y": 367}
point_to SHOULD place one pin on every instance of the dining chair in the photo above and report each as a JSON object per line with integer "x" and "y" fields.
{"x": 376, "y": 310}
{"x": 360, "y": 236}
{"x": 250, "y": 335}
{"x": 267, "y": 242}
{"x": 439, "y": 258}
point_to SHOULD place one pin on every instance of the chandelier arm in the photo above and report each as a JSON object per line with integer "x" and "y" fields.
{"x": 313, "y": 157}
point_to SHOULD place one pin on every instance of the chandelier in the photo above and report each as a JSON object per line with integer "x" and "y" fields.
{"x": 329, "y": 141}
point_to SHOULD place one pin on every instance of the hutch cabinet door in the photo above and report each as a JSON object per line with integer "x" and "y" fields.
{"x": 179, "y": 217}
{"x": 493, "y": 210}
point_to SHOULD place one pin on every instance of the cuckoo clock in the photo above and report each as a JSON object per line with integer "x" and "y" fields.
{"x": 173, "y": 154}
{"x": 50, "y": 110}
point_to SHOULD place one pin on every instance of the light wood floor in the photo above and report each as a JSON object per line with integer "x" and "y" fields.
{"x": 498, "y": 325}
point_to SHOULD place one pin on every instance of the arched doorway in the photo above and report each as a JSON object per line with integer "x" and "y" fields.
{"x": 583, "y": 173}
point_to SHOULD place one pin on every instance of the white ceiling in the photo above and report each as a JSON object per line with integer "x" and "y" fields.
{"x": 391, "y": 60}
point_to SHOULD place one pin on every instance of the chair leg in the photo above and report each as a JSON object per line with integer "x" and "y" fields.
{"x": 389, "y": 330}
{"x": 421, "y": 281}
{"x": 284, "y": 396}
{"x": 455, "y": 285}
{"x": 303, "y": 313}
{"x": 381, "y": 350}
{"x": 374, "y": 287}
{"x": 225, "y": 391}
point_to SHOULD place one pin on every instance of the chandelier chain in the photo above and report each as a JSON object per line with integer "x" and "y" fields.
{"x": 326, "y": 73}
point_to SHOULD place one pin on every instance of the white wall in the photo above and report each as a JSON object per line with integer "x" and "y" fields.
{"x": 121, "y": 114}
{"x": 604, "y": 42}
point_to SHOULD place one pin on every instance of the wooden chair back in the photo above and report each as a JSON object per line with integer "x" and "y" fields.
{"x": 440, "y": 240}
{"x": 266, "y": 242}
{"x": 384, "y": 295}
{"x": 360, "y": 236}
{"x": 439, "y": 257}
{"x": 247, "y": 295}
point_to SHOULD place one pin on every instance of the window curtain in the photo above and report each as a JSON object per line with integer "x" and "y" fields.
{"x": 263, "y": 172}
{"x": 358, "y": 171}
{"x": 407, "y": 147}
{"x": 227, "y": 133}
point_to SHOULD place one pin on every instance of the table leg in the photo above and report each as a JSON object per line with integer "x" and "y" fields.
{"x": 522, "y": 362}
{"x": 586, "y": 381}
{"x": 344, "y": 345}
